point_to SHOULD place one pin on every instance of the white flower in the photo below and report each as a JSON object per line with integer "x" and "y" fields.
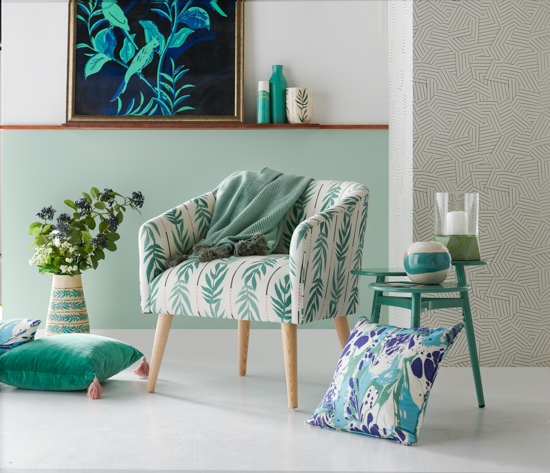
{"x": 63, "y": 268}
{"x": 69, "y": 260}
{"x": 74, "y": 269}
{"x": 56, "y": 242}
{"x": 40, "y": 256}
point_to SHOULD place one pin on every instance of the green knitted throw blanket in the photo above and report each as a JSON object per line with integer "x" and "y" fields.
{"x": 248, "y": 205}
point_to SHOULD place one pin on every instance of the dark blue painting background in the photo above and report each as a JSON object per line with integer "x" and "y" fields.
{"x": 209, "y": 54}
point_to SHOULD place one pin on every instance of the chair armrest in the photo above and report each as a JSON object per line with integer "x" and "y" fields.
{"x": 168, "y": 235}
{"x": 324, "y": 249}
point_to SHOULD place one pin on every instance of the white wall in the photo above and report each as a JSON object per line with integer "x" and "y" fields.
{"x": 34, "y": 62}
{"x": 0, "y": 191}
{"x": 400, "y": 47}
{"x": 338, "y": 48}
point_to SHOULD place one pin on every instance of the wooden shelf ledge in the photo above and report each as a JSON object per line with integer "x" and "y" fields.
{"x": 183, "y": 126}
{"x": 190, "y": 126}
{"x": 31, "y": 127}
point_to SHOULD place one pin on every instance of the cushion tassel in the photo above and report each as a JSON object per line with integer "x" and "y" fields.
{"x": 95, "y": 389}
{"x": 143, "y": 369}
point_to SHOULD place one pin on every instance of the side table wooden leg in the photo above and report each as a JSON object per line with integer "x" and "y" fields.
{"x": 416, "y": 305}
{"x": 470, "y": 335}
{"x": 375, "y": 313}
{"x": 472, "y": 347}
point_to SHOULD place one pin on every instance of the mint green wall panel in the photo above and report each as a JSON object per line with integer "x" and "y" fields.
{"x": 43, "y": 168}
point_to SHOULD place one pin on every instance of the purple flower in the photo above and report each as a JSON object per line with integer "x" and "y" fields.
{"x": 83, "y": 205}
{"x": 100, "y": 240}
{"x": 138, "y": 199}
{"x": 62, "y": 229}
{"x": 106, "y": 197}
{"x": 112, "y": 222}
{"x": 46, "y": 213}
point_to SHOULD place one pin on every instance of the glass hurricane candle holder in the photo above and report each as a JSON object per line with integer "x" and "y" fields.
{"x": 456, "y": 224}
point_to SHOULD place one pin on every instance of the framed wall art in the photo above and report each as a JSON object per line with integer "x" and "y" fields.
{"x": 154, "y": 61}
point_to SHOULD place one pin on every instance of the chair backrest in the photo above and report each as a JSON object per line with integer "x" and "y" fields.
{"x": 319, "y": 196}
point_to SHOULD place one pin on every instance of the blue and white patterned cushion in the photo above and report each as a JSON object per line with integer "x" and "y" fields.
{"x": 16, "y": 332}
{"x": 383, "y": 380}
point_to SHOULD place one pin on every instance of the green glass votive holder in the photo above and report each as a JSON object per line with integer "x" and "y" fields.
{"x": 461, "y": 247}
{"x": 456, "y": 224}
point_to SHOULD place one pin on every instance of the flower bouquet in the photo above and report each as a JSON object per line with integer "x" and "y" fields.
{"x": 67, "y": 247}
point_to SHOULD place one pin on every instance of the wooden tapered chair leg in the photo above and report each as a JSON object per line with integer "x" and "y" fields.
{"x": 290, "y": 351}
{"x": 342, "y": 329}
{"x": 161, "y": 337}
{"x": 244, "y": 334}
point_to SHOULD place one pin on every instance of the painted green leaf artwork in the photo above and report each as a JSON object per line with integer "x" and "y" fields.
{"x": 154, "y": 59}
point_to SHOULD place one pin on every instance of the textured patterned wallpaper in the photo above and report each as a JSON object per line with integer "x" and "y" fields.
{"x": 482, "y": 124}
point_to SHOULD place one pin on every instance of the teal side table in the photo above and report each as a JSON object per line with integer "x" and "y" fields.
{"x": 418, "y": 303}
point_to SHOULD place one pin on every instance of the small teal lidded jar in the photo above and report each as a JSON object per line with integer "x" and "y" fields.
{"x": 427, "y": 262}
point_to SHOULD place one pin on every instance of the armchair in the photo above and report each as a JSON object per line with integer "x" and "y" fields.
{"x": 323, "y": 236}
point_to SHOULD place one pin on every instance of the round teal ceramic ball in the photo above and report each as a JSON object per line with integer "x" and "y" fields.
{"x": 427, "y": 262}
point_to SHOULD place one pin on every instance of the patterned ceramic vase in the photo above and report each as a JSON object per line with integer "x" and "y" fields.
{"x": 299, "y": 105}
{"x": 67, "y": 312}
{"x": 427, "y": 262}
{"x": 264, "y": 102}
{"x": 277, "y": 92}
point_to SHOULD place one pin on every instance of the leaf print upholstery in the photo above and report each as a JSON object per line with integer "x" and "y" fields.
{"x": 168, "y": 235}
{"x": 325, "y": 248}
{"x": 323, "y": 234}
{"x": 240, "y": 288}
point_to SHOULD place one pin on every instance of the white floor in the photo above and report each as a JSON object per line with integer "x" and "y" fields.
{"x": 205, "y": 417}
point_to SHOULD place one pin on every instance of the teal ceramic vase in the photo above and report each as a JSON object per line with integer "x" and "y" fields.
{"x": 277, "y": 89}
{"x": 427, "y": 262}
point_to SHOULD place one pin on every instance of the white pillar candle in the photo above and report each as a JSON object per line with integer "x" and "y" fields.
{"x": 457, "y": 223}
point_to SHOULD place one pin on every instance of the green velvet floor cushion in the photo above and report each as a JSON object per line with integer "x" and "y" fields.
{"x": 383, "y": 380}
{"x": 65, "y": 362}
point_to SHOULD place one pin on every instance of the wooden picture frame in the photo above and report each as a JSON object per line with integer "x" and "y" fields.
{"x": 155, "y": 62}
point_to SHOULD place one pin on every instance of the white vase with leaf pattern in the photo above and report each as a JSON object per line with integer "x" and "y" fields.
{"x": 299, "y": 105}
